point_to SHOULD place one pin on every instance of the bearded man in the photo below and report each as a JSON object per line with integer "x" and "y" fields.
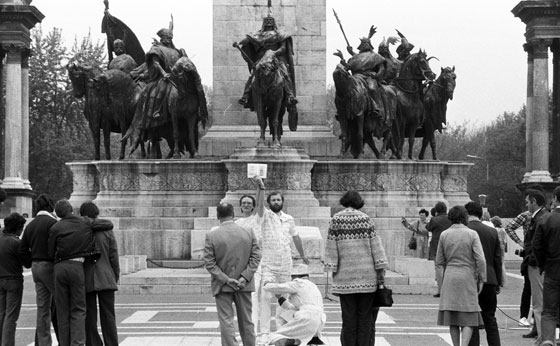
{"x": 278, "y": 231}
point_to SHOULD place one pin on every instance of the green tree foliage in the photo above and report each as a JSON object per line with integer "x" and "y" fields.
{"x": 58, "y": 129}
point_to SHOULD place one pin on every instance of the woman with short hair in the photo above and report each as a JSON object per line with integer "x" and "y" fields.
{"x": 460, "y": 254}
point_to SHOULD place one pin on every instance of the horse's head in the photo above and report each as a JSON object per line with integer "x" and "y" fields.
{"x": 417, "y": 65}
{"x": 79, "y": 77}
{"x": 447, "y": 80}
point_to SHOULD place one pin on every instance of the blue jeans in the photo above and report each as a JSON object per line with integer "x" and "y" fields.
{"x": 70, "y": 299}
{"x": 11, "y": 293}
{"x": 551, "y": 303}
{"x": 43, "y": 276}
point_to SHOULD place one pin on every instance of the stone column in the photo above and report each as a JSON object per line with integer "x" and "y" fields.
{"x": 529, "y": 112}
{"x": 538, "y": 125}
{"x": 13, "y": 172}
{"x": 555, "y": 120}
{"x": 25, "y": 118}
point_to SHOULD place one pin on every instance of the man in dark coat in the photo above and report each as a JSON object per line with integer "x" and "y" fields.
{"x": 34, "y": 243}
{"x": 487, "y": 298}
{"x": 546, "y": 248}
{"x": 11, "y": 277}
{"x": 101, "y": 283}
{"x": 232, "y": 255}
{"x": 71, "y": 242}
{"x": 437, "y": 224}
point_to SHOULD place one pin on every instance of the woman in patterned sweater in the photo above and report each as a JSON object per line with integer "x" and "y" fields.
{"x": 357, "y": 260}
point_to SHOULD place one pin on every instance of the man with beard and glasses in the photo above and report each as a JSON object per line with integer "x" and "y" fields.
{"x": 278, "y": 231}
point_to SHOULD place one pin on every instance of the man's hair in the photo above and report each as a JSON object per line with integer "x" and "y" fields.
{"x": 433, "y": 211}
{"x": 44, "y": 202}
{"x": 89, "y": 209}
{"x": 496, "y": 221}
{"x": 274, "y": 193}
{"x": 424, "y": 211}
{"x": 458, "y": 214}
{"x": 63, "y": 208}
{"x": 224, "y": 210}
{"x": 474, "y": 209}
{"x": 440, "y": 207}
{"x": 537, "y": 196}
{"x": 13, "y": 223}
{"x": 352, "y": 199}
{"x": 556, "y": 193}
{"x": 250, "y": 197}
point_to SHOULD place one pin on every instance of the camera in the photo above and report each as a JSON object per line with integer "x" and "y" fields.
{"x": 520, "y": 252}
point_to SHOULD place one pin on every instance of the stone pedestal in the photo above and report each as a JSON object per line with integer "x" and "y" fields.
{"x": 289, "y": 171}
{"x": 235, "y": 127}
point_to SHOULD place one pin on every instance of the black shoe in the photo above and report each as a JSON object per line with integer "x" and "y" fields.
{"x": 436, "y": 295}
{"x": 531, "y": 335}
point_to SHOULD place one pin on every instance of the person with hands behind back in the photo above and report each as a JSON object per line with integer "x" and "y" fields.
{"x": 231, "y": 256}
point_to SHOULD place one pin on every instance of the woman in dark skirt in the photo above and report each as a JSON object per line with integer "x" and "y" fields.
{"x": 460, "y": 254}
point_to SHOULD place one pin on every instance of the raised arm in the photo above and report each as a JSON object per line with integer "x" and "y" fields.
{"x": 259, "y": 197}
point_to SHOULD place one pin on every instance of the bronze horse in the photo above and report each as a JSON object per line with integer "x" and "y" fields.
{"x": 184, "y": 108}
{"x": 355, "y": 114}
{"x": 110, "y": 100}
{"x": 268, "y": 97}
{"x": 435, "y": 108}
{"x": 410, "y": 109}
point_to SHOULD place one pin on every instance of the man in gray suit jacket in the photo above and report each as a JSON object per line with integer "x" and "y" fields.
{"x": 232, "y": 255}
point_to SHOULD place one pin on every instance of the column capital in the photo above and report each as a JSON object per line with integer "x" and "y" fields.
{"x": 538, "y": 48}
{"x": 14, "y": 52}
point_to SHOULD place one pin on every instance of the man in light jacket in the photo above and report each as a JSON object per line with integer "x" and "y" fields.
{"x": 232, "y": 255}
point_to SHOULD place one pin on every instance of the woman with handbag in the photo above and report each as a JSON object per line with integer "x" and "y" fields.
{"x": 460, "y": 254}
{"x": 355, "y": 256}
{"x": 418, "y": 243}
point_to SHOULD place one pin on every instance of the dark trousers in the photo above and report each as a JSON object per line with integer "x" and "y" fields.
{"x": 70, "y": 300}
{"x": 374, "y": 314}
{"x": 525, "y": 305}
{"x": 551, "y": 304}
{"x": 357, "y": 319}
{"x": 43, "y": 277}
{"x": 488, "y": 301}
{"x": 11, "y": 293}
{"x": 107, "y": 319}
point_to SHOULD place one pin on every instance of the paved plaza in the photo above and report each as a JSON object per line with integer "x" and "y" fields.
{"x": 167, "y": 320}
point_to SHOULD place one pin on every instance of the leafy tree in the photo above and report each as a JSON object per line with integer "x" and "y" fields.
{"x": 58, "y": 129}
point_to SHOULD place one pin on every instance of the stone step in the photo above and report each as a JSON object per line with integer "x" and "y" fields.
{"x": 321, "y": 223}
{"x": 152, "y": 223}
{"x": 146, "y": 211}
{"x": 197, "y": 281}
{"x": 296, "y": 212}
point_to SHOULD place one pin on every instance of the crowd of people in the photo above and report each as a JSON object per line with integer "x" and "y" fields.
{"x": 458, "y": 255}
{"x": 74, "y": 264}
{"x": 75, "y": 268}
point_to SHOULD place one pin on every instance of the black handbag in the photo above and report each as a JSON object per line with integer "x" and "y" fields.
{"x": 383, "y": 296}
{"x": 412, "y": 243}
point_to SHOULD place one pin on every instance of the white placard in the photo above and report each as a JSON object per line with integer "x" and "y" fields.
{"x": 258, "y": 169}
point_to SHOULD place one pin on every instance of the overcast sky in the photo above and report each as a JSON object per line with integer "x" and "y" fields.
{"x": 481, "y": 38}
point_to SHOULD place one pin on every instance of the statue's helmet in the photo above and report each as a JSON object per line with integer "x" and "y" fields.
{"x": 165, "y": 33}
{"x": 118, "y": 42}
{"x": 405, "y": 47}
{"x": 383, "y": 47}
{"x": 365, "y": 45}
{"x": 269, "y": 22}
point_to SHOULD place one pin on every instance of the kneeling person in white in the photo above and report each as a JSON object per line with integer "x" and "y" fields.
{"x": 301, "y": 315}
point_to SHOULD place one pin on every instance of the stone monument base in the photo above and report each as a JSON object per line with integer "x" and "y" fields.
{"x": 156, "y": 205}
